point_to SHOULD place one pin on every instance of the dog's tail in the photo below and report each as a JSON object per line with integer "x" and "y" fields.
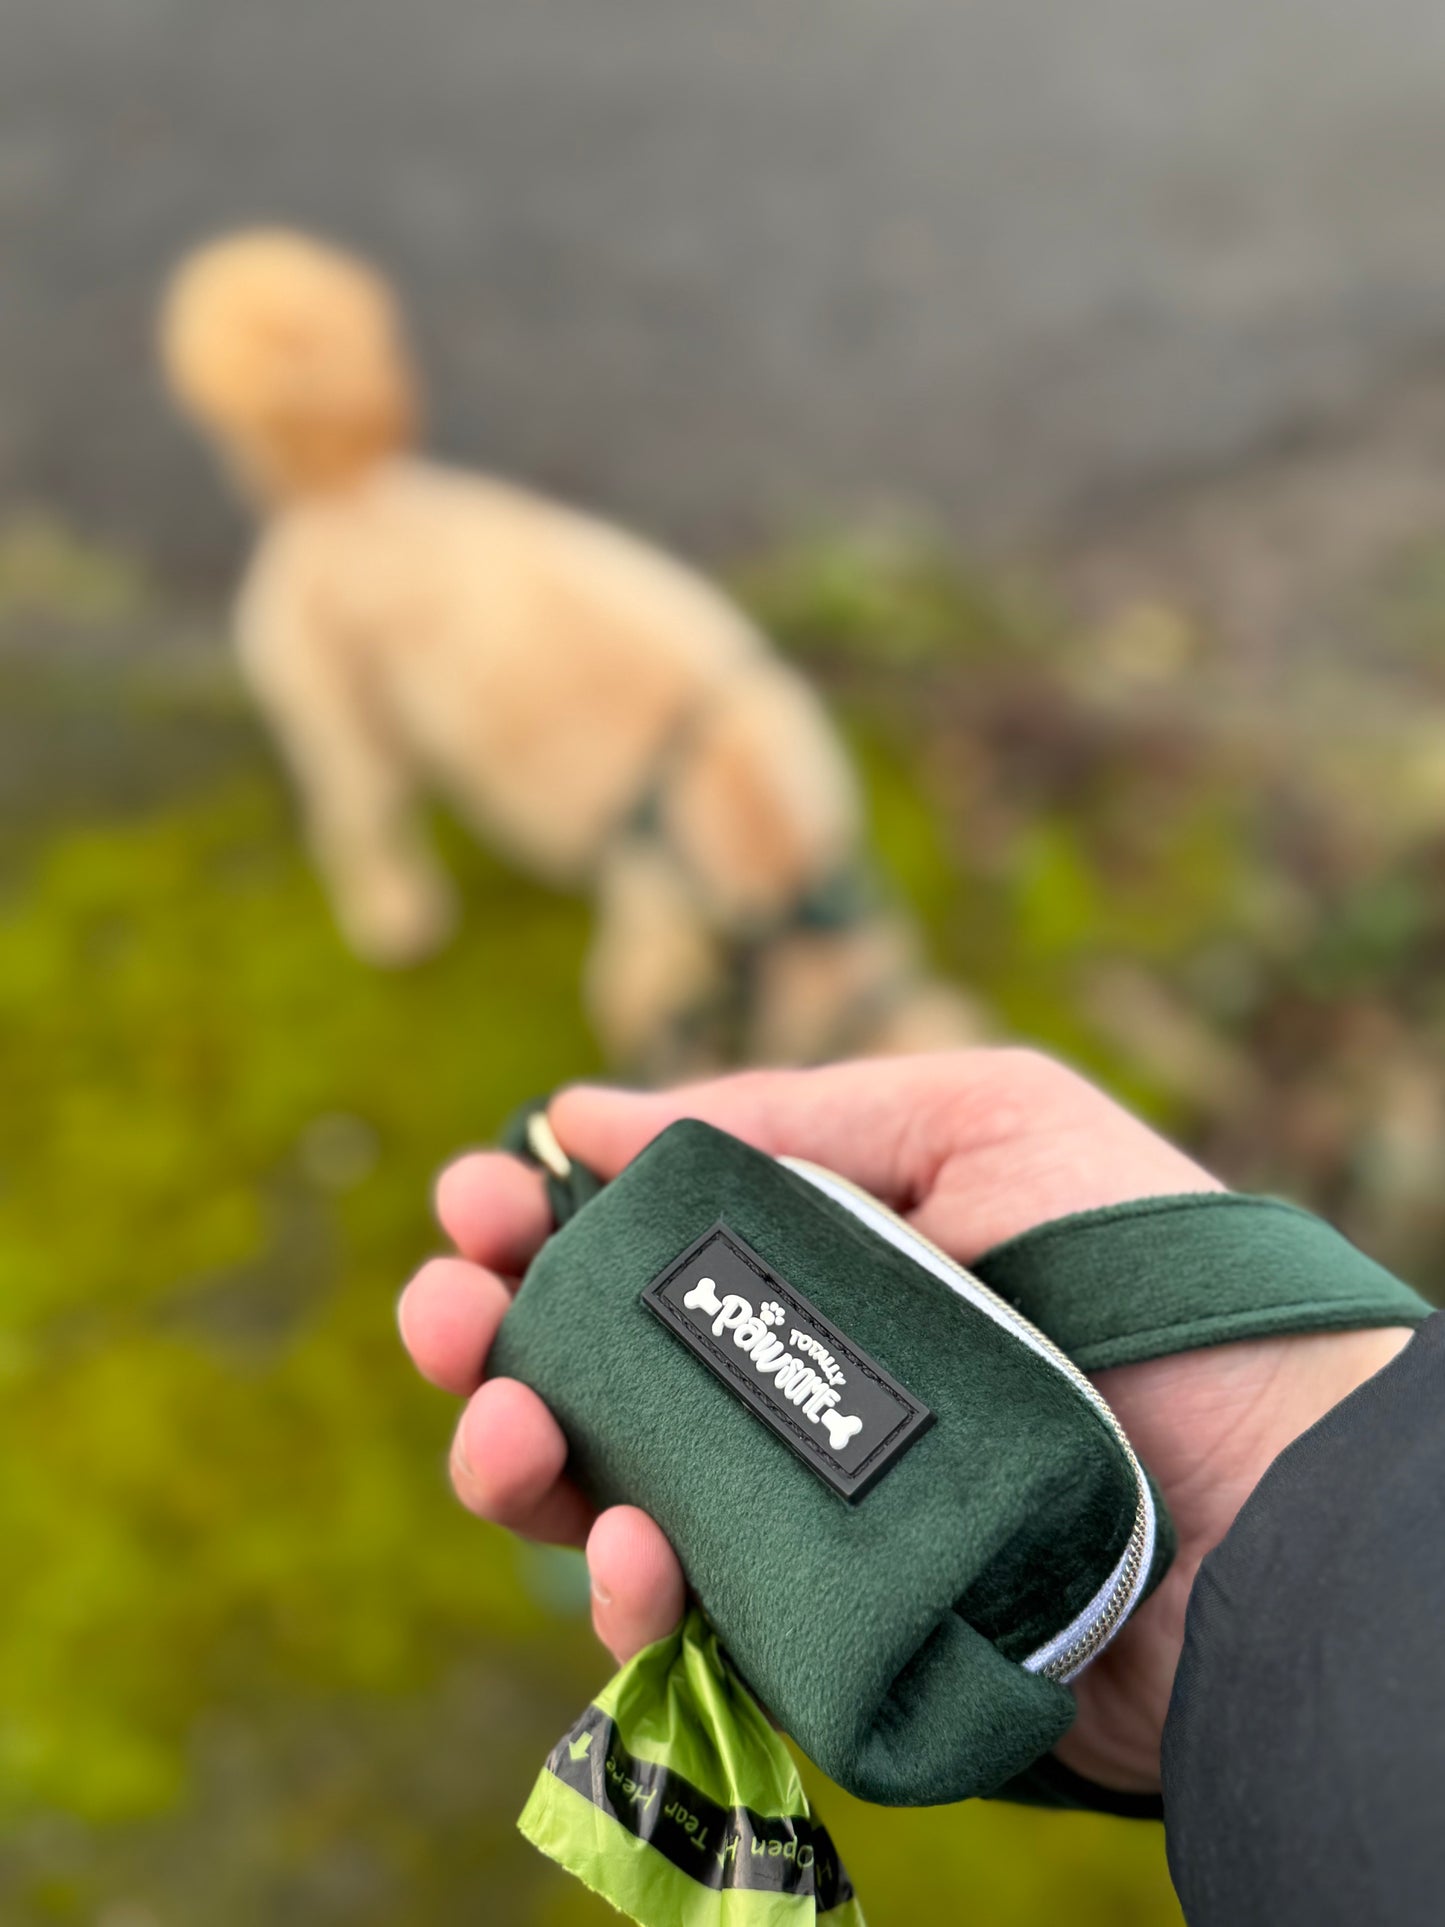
{"x": 289, "y": 354}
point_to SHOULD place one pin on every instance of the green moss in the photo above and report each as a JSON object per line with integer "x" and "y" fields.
{"x": 889, "y": 595}
{"x": 47, "y": 571}
{"x": 221, "y": 1487}
{"x": 201, "y": 1369}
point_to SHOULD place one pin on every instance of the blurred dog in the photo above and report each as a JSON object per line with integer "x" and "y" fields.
{"x": 587, "y": 704}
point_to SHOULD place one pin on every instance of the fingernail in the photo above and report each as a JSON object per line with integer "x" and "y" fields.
{"x": 601, "y": 1595}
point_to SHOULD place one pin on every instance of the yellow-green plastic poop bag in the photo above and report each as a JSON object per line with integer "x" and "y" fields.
{"x": 674, "y": 1799}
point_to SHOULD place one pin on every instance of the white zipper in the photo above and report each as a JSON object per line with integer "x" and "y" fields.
{"x": 1070, "y": 1650}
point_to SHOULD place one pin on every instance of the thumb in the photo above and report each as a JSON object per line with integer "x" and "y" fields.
{"x": 638, "y": 1591}
{"x": 866, "y": 1119}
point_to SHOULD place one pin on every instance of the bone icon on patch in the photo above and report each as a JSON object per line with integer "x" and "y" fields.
{"x": 793, "y": 1379}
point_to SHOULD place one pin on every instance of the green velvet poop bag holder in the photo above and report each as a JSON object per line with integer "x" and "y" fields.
{"x": 909, "y": 1516}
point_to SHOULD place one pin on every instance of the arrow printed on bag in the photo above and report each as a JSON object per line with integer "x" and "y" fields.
{"x": 721, "y": 1847}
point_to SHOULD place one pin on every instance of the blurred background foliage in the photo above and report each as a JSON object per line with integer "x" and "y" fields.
{"x": 254, "y": 1663}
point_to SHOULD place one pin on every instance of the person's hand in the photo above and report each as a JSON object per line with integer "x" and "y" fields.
{"x": 972, "y": 1147}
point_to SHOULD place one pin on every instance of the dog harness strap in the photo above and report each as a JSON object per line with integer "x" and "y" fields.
{"x": 839, "y": 900}
{"x": 1163, "y": 1275}
{"x": 643, "y": 817}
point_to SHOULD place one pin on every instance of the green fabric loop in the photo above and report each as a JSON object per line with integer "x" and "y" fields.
{"x": 565, "y": 1196}
{"x": 1161, "y": 1275}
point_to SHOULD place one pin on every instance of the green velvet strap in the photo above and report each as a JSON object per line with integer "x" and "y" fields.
{"x": 1159, "y": 1275}
{"x": 526, "y": 1134}
{"x": 1163, "y": 1275}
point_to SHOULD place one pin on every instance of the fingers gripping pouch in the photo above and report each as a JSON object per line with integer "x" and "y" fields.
{"x": 907, "y": 1515}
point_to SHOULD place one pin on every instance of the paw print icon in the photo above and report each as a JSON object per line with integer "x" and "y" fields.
{"x": 771, "y": 1314}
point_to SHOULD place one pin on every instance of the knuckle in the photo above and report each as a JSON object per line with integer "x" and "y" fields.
{"x": 493, "y": 1473}
{"x": 1031, "y": 1071}
{"x": 479, "y": 1489}
{"x": 473, "y": 1476}
{"x": 1004, "y": 1089}
{"x": 451, "y": 1175}
{"x": 464, "y": 1480}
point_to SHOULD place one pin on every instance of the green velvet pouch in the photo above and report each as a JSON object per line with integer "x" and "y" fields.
{"x": 908, "y": 1515}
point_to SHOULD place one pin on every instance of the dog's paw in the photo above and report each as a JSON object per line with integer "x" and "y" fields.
{"x": 399, "y": 918}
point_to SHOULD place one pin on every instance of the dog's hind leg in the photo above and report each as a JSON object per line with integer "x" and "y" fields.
{"x": 657, "y": 978}
{"x": 855, "y": 991}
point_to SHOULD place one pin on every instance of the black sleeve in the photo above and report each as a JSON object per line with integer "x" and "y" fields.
{"x": 1304, "y": 1753}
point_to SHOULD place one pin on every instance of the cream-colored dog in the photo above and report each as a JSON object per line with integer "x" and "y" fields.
{"x": 589, "y": 705}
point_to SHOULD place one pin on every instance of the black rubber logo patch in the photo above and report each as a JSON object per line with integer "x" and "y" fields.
{"x": 840, "y": 1411}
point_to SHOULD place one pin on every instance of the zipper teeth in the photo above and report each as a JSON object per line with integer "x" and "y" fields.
{"x": 1103, "y": 1618}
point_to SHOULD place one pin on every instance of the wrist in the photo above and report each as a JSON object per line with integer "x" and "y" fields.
{"x": 1209, "y": 1425}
